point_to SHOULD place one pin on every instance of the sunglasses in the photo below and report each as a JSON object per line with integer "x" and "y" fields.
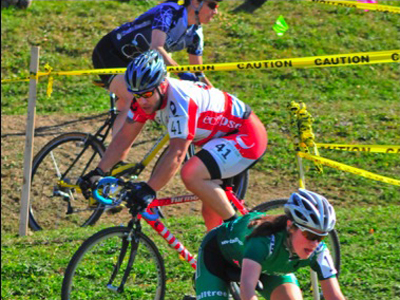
{"x": 310, "y": 235}
{"x": 212, "y": 5}
{"x": 144, "y": 95}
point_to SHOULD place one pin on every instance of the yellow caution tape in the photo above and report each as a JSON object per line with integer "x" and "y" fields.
{"x": 346, "y": 168}
{"x": 361, "y": 58}
{"x": 48, "y": 69}
{"x": 362, "y": 148}
{"x": 14, "y": 80}
{"x": 313, "y": 61}
{"x": 360, "y": 5}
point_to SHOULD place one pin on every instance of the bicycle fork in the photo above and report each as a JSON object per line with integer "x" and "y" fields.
{"x": 133, "y": 240}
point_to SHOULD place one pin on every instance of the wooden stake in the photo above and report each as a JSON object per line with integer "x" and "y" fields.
{"x": 30, "y": 131}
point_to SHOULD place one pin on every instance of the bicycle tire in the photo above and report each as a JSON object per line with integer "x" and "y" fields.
{"x": 49, "y": 212}
{"x": 86, "y": 276}
{"x": 332, "y": 241}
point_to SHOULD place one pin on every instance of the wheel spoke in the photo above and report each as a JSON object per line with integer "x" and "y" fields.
{"x": 64, "y": 158}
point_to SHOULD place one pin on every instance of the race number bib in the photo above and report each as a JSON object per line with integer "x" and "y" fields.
{"x": 178, "y": 127}
{"x": 326, "y": 264}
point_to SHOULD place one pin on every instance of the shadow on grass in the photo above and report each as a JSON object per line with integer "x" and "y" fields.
{"x": 49, "y": 130}
{"x": 249, "y": 6}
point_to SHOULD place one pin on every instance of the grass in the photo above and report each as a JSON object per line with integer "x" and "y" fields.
{"x": 351, "y": 105}
{"x": 370, "y": 256}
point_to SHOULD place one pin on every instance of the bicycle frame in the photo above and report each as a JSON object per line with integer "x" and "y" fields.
{"x": 153, "y": 219}
{"x": 134, "y": 168}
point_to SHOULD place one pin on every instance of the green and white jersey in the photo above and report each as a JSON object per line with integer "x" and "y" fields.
{"x": 269, "y": 251}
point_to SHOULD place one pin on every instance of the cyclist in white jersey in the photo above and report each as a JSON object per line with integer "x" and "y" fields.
{"x": 231, "y": 135}
{"x": 167, "y": 27}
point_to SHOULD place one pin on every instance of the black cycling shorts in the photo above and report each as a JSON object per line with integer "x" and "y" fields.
{"x": 105, "y": 55}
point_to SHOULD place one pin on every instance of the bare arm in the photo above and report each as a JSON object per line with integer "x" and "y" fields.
{"x": 120, "y": 144}
{"x": 331, "y": 289}
{"x": 251, "y": 271}
{"x": 169, "y": 164}
{"x": 158, "y": 38}
{"x": 198, "y": 60}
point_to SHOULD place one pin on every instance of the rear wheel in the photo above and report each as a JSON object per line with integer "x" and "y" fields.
{"x": 67, "y": 157}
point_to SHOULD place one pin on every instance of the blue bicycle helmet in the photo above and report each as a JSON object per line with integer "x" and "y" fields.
{"x": 311, "y": 211}
{"x": 145, "y": 72}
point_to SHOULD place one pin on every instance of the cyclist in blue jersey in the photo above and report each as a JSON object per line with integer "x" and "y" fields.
{"x": 167, "y": 27}
{"x": 269, "y": 249}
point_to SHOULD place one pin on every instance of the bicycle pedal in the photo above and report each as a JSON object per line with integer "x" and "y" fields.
{"x": 93, "y": 202}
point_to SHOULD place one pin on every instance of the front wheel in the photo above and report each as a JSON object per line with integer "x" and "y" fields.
{"x": 67, "y": 157}
{"x": 110, "y": 257}
{"x": 332, "y": 241}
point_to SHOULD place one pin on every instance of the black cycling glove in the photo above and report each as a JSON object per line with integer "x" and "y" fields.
{"x": 90, "y": 180}
{"x": 141, "y": 195}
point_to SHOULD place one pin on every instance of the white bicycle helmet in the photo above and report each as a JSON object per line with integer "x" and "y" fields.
{"x": 145, "y": 72}
{"x": 311, "y": 211}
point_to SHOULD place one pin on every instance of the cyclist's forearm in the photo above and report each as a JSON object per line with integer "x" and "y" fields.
{"x": 115, "y": 153}
{"x": 158, "y": 38}
{"x": 120, "y": 145}
{"x": 331, "y": 289}
{"x": 198, "y": 60}
{"x": 165, "y": 170}
{"x": 249, "y": 276}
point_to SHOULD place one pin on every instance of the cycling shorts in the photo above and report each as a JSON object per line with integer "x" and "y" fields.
{"x": 105, "y": 56}
{"x": 214, "y": 273}
{"x": 233, "y": 153}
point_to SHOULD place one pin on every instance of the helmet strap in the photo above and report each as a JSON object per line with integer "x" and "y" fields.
{"x": 162, "y": 96}
{"x": 197, "y": 11}
{"x": 288, "y": 241}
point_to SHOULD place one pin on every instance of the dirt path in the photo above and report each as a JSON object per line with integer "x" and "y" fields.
{"x": 47, "y": 127}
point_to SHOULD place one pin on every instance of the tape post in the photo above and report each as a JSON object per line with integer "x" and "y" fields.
{"x": 360, "y": 5}
{"x": 390, "y": 149}
{"x": 346, "y": 168}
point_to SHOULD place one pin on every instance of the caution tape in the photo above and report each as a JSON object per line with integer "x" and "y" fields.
{"x": 360, "y": 5}
{"x": 392, "y": 149}
{"x": 14, "y": 80}
{"x": 347, "y": 168}
{"x": 362, "y": 58}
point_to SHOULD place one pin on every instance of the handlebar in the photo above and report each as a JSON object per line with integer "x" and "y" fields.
{"x": 103, "y": 182}
{"x": 110, "y": 183}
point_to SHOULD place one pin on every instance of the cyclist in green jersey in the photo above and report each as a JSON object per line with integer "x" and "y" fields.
{"x": 269, "y": 249}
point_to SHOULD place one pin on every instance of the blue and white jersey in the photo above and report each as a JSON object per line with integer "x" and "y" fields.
{"x": 168, "y": 17}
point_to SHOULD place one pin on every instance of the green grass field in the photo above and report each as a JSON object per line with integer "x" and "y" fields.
{"x": 351, "y": 105}
{"x": 32, "y": 267}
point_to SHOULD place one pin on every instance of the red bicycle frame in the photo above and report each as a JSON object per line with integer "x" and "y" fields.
{"x": 163, "y": 231}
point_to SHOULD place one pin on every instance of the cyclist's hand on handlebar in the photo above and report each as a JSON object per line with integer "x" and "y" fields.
{"x": 141, "y": 195}
{"x": 90, "y": 180}
{"x": 188, "y": 76}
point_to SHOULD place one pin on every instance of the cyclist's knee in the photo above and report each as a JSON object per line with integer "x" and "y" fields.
{"x": 193, "y": 171}
{"x": 287, "y": 291}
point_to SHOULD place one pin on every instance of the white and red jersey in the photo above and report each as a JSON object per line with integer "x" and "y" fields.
{"x": 195, "y": 111}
